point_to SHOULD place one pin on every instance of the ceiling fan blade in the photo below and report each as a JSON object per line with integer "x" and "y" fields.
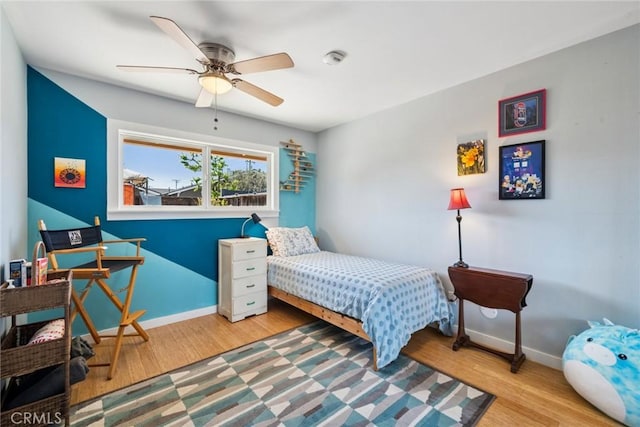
{"x": 264, "y": 63}
{"x": 259, "y": 93}
{"x": 204, "y": 99}
{"x": 176, "y": 33}
{"x": 136, "y": 68}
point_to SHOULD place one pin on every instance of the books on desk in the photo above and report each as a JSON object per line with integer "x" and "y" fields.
{"x": 18, "y": 272}
{"x": 23, "y": 273}
{"x": 40, "y": 271}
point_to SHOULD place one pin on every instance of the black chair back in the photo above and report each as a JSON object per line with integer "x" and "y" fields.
{"x": 55, "y": 240}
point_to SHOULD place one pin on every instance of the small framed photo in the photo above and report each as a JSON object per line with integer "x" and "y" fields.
{"x": 471, "y": 157}
{"x": 522, "y": 171}
{"x": 69, "y": 172}
{"x": 522, "y": 113}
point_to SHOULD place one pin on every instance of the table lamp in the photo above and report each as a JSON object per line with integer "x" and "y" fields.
{"x": 255, "y": 218}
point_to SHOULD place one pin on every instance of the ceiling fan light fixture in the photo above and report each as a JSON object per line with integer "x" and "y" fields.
{"x": 217, "y": 60}
{"x": 215, "y": 83}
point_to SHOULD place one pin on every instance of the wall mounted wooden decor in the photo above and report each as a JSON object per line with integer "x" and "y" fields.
{"x": 302, "y": 167}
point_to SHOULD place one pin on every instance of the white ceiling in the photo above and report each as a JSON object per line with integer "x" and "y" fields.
{"x": 396, "y": 51}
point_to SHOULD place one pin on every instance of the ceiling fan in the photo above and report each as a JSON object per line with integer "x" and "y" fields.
{"x": 217, "y": 61}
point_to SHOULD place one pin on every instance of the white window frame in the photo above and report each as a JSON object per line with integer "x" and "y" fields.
{"x": 118, "y": 130}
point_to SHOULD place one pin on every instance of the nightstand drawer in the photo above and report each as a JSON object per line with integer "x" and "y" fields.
{"x": 248, "y": 285}
{"x": 250, "y": 267}
{"x": 251, "y": 302}
{"x": 249, "y": 250}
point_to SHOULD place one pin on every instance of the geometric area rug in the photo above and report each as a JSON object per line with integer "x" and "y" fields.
{"x": 314, "y": 375}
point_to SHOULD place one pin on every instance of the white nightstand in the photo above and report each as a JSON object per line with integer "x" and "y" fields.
{"x": 242, "y": 288}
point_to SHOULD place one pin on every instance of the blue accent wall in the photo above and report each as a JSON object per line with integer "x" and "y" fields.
{"x": 180, "y": 271}
{"x": 59, "y": 125}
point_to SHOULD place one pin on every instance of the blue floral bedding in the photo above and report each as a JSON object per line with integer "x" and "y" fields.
{"x": 392, "y": 300}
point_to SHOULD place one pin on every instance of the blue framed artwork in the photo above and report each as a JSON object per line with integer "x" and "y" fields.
{"x": 522, "y": 171}
{"x": 522, "y": 113}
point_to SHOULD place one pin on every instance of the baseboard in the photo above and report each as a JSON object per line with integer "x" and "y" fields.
{"x": 160, "y": 321}
{"x": 537, "y": 356}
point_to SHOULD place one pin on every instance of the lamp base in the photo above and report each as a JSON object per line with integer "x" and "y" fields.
{"x": 461, "y": 264}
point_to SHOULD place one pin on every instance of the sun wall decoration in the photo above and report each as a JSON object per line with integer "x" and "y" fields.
{"x": 69, "y": 173}
{"x": 471, "y": 157}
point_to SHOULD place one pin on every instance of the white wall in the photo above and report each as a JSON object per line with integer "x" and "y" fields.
{"x": 13, "y": 153}
{"x": 13, "y": 148}
{"x": 129, "y": 105}
{"x": 383, "y": 190}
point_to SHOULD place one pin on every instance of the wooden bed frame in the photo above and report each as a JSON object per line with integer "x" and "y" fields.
{"x": 347, "y": 323}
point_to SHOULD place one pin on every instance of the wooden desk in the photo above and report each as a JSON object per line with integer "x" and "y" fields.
{"x": 493, "y": 289}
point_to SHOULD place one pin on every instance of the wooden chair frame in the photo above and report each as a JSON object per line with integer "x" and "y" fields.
{"x": 97, "y": 273}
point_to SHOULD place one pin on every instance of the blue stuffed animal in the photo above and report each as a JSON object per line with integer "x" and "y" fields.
{"x": 603, "y": 365}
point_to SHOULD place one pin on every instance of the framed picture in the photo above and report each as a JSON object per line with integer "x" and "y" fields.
{"x": 471, "y": 157}
{"x": 69, "y": 173}
{"x": 522, "y": 113}
{"x": 522, "y": 171}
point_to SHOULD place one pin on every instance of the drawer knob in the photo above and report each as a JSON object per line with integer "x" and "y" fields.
{"x": 251, "y": 286}
{"x": 251, "y": 251}
{"x": 250, "y": 268}
{"x": 251, "y": 303}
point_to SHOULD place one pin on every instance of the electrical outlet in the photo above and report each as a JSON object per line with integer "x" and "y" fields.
{"x": 489, "y": 313}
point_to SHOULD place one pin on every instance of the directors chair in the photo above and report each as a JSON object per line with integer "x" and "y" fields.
{"x": 88, "y": 241}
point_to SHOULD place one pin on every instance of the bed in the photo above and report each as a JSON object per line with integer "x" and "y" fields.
{"x": 382, "y": 302}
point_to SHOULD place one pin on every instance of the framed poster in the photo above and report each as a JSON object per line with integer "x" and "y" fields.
{"x": 522, "y": 171}
{"x": 69, "y": 173}
{"x": 522, "y": 113}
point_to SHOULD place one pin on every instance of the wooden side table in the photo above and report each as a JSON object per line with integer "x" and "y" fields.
{"x": 493, "y": 289}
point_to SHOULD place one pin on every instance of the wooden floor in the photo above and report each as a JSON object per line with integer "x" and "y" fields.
{"x": 535, "y": 396}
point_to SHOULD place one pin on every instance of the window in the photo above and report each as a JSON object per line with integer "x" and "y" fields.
{"x": 157, "y": 176}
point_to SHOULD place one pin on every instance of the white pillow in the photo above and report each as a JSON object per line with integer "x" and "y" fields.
{"x": 291, "y": 241}
{"x": 51, "y": 331}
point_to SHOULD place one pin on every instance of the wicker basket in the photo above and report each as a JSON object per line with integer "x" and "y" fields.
{"x": 20, "y": 359}
{"x": 27, "y": 299}
{"x": 51, "y": 410}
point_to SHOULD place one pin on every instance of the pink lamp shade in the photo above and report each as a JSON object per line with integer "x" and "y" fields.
{"x": 458, "y": 199}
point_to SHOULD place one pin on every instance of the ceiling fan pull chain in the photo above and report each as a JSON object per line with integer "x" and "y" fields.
{"x": 215, "y": 112}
